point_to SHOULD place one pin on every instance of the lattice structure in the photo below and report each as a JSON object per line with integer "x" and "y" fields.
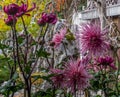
{"x": 91, "y": 4}
{"x": 111, "y": 2}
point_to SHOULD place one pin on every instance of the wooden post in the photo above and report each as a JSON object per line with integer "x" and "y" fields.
{"x": 101, "y": 4}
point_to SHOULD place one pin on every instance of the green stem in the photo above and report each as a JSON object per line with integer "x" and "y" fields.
{"x": 75, "y": 90}
{"x": 54, "y": 92}
{"x": 17, "y": 50}
{"x": 117, "y": 86}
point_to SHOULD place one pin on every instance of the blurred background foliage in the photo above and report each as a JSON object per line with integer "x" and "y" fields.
{"x": 30, "y": 21}
{"x": 4, "y": 70}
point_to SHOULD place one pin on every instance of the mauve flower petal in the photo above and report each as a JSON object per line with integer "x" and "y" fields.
{"x": 44, "y": 16}
{"x": 10, "y": 20}
{"x": 23, "y": 9}
{"x": 113, "y": 66}
{"x": 5, "y": 9}
{"x": 41, "y": 22}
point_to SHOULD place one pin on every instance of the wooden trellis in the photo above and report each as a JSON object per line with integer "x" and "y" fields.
{"x": 91, "y": 4}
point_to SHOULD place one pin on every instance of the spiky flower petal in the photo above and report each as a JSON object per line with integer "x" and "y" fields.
{"x": 77, "y": 77}
{"x": 92, "y": 40}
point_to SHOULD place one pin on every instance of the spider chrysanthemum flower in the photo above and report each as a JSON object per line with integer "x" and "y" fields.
{"x": 76, "y": 76}
{"x": 93, "y": 41}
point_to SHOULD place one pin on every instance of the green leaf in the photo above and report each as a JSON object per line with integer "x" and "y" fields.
{"x": 4, "y": 60}
{"x": 21, "y": 41}
{"x": 43, "y": 94}
{"x": 3, "y": 46}
{"x": 43, "y": 53}
{"x": 9, "y": 87}
{"x": 70, "y": 37}
{"x": 97, "y": 96}
{"x": 47, "y": 77}
{"x": 27, "y": 69}
{"x": 69, "y": 95}
{"x": 33, "y": 43}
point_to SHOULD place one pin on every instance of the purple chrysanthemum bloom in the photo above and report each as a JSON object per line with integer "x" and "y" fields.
{"x": 52, "y": 18}
{"x": 10, "y": 20}
{"x": 23, "y": 9}
{"x": 43, "y": 20}
{"x": 92, "y": 40}
{"x": 11, "y": 9}
{"x": 106, "y": 62}
{"x": 76, "y": 76}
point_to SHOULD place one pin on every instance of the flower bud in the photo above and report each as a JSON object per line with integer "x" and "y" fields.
{"x": 10, "y": 21}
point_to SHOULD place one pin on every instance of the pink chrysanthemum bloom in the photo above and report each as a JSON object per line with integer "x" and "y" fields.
{"x": 92, "y": 40}
{"x": 76, "y": 76}
{"x": 58, "y": 78}
{"x": 58, "y": 37}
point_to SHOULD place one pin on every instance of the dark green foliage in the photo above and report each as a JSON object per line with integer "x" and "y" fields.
{"x": 43, "y": 53}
